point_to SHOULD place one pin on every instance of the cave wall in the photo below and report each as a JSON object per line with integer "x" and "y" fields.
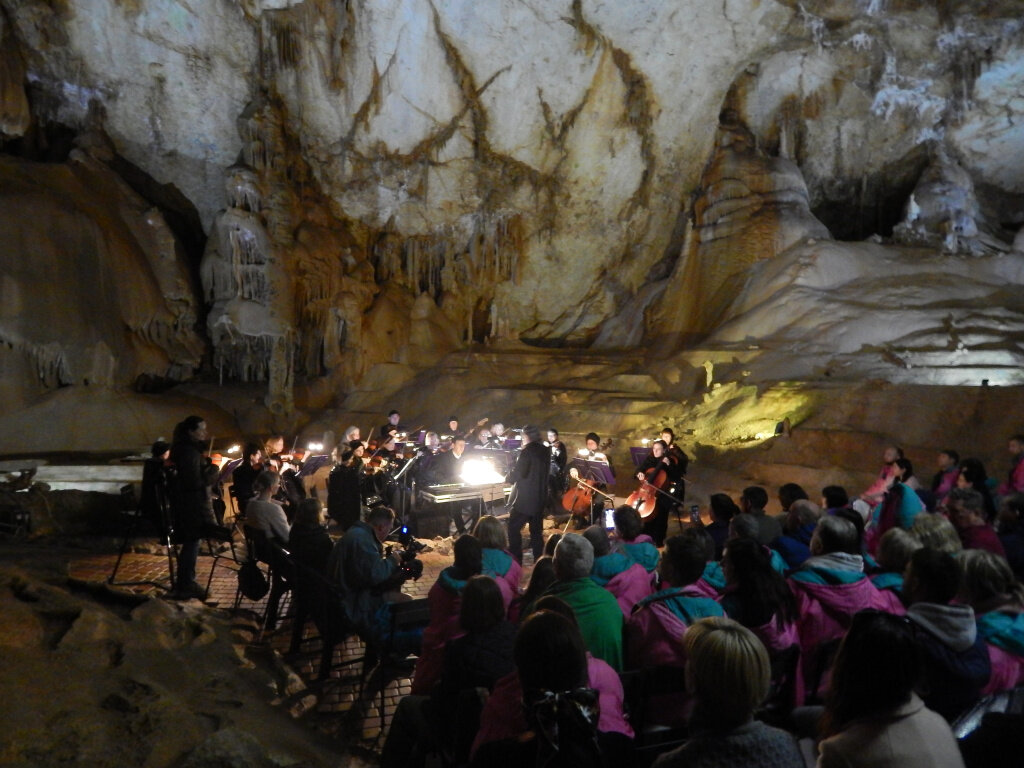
{"x": 380, "y": 183}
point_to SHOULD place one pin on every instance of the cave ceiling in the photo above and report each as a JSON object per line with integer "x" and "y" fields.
{"x": 299, "y": 197}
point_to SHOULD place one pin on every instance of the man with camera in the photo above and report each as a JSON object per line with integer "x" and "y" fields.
{"x": 371, "y": 577}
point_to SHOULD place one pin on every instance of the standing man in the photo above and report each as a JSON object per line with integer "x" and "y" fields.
{"x": 530, "y": 476}
{"x": 449, "y": 470}
{"x": 191, "y": 505}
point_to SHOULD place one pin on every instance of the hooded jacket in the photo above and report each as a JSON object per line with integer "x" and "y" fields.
{"x": 445, "y": 599}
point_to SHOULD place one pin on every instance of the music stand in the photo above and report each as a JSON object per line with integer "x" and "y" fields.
{"x": 639, "y": 454}
{"x": 594, "y": 471}
{"x": 313, "y": 463}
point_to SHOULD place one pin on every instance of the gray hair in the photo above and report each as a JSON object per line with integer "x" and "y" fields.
{"x": 806, "y": 512}
{"x": 574, "y": 557}
{"x": 968, "y": 498}
{"x": 836, "y": 534}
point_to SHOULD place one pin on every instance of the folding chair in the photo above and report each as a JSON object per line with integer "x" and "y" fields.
{"x": 405, "y": 618}
{"x": 641, "y": 688}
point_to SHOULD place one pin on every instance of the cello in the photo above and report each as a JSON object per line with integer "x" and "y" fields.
{"x": 645, "y": 497}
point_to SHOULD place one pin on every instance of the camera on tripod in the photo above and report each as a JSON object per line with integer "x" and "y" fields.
{"x": 409, "y": 567}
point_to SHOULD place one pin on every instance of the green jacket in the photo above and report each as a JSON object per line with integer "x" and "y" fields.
{"x": 598, "y": 615}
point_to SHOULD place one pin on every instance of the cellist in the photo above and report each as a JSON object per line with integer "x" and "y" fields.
{"x": 661, "y": 470}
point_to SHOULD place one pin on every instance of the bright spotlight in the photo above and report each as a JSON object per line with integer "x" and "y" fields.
{"x": 479, "y": 472}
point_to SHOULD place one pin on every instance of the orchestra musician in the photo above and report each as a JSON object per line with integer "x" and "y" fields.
{"x": 344, "y": 485}
{"x": 657, "y": 460}
{"x": 428, "y": 459}
{"x": 557, "y": 467}
{"x": 244, "y": 475}
{"x": 593, "y": 452}
{"x": 682, "y": 460}
{"x": 291, "y": 491}
{"x": 449, "y": 470}
{"x": 352, "y": 433}
{"x": 529, "y": 494}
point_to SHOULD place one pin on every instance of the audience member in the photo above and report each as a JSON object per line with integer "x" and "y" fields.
{"x": 795, "y": 544}
{"x": 1011, "y": 531}
{"x": 310, "y": 546}
{"x": 597, "y": 612}
{"x": 956, "y": 662}
{"x": 752, "y": 502}
{"x": 973, "y": 475}
{"x": 757, "y": 596}
{"x": 744, "y": 526}
{"x": 834, "y": 497}
{"x": 712, "y": 581}
{"x": 655, "y": 631}
{"x": 936, "y": 532}
{"x": 873, "y": 495}
{"x": 503, "y": 717}
{"x": 722, "y": 511}
{"x": 244, "y": 475}
{"x": 445, "y": 598}
{"x": 894, "y": 551}
{"x": 997, "y": 597}
{"x": 630, "y": 540}
{"x": 626, "y": 580}
{"x": 899, "y": 506}
{"x": 1015, "y": 479}
{"x": 873, "y": 718}
{"x": 949, "y": 468}
{"x": 542, "y": 577}
{"x": 728, "y": 675}
{"x": 551, "y": 543}
{"x": 497, "y": 562}
{"x": 967, "y": 513}
{"x": 790, "y": 492}
{"x": 265, "y": 514}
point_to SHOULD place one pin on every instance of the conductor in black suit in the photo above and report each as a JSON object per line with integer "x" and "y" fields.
{"x": 529, "y": 494}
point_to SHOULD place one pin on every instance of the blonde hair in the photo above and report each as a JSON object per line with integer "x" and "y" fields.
{"x": 936, "y": 532}
{"x": 895, "y": 548}
{"x": 727, "y": 670}
{"x": 491, "y": 533}
{"x": 986, "y": 576}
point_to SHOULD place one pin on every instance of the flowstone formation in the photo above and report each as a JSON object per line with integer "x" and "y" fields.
{"x": 379, "y": 185}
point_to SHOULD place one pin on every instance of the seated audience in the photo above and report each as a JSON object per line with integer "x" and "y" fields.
{"x": 1015, "y": 479}
{"x": 445, "y": 599}
{"x": 997, "y": 597}
{"x": 834, "y": 497}
{"x": 757, "y": 596}
{"x": 630, "y": 540}
{"x": 894, "y": 551}
{"x": 794, "y": 546}
{"x": 830, "y": 587}
{"x": 722, "y": 511}
{"x": 973, "y": 475}
{"x": 265, "y": 514}
{"x": 899, "y": 506}
{"x": 498, "y": 563}
{"x": 477, "y": 659}
{"x": 873, "y": 718}
{"x": 728, "y": 675}
{"x": 949, "y": 468}
{"x": 790, "y": 492}
{"x": 1011, "y": 531}
{"x": 873, "y": 495}
{"x": 597, "y": 612}
{"x": 712, "y": 581}
{"x": 967, "y": 513}
{"x": 956, "y": 662}
{"x": 542, "y": 577}
{"x": 655, "y": 631}
{"x": 934, "y": 531}
{"x": 744, "y": 526}
{"x": 627, "y": 581}
{"x": 752, "y": 502}
{"x": 551, "y": 543}
{"x": 503, "y": 715}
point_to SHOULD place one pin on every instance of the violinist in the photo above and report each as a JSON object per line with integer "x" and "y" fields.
{"x": 291, "y": 491}
{"x": 452, "y": 430}
{"x": 556, "y": 470}
{"x": 387, "y": 437}
{"x": 344, "y": 485}
{"x": 660, "y": 470}
{"x": 352, "y": 433}
{"x": 244, "y": 475}
{"x": 675, "y": 452}
{"x": 428, "y": 458}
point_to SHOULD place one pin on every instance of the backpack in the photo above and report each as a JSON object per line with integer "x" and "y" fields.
{"x": 252, "y": 583}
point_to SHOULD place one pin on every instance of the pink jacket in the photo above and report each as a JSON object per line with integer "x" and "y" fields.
{"x": 444, "y": 626}
{"x": 654, "y": 637}
{"x": 502, "y": 716}
{"x": 1015, "y": 483}
{"x": 508, "y": 582}
{"x": 630, "y": 587}
{"x": 1007, "y": 670}
{"x": 777, "y": 639}
{"x": 826, "y": 612}
{"x": 874, "y": 494}
{"x": 705, "y": 589}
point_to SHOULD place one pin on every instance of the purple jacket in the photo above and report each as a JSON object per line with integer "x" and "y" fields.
{"x": 630, "y": 587}
{"x": 826, "y": 612}
{"x": 502, "y": 716}
{"x": 1015, "y": 482}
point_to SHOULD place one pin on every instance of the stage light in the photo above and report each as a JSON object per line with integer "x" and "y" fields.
{"x": 234, "y": 448}
{"x": 479, "y": 472}
{"x": 315, "y": 447}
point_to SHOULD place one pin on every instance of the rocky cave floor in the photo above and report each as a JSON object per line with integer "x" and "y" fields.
{"x": 119, "y": 675}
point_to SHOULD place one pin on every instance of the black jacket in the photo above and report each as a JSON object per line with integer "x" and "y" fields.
{"x": 530, "y": 475}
